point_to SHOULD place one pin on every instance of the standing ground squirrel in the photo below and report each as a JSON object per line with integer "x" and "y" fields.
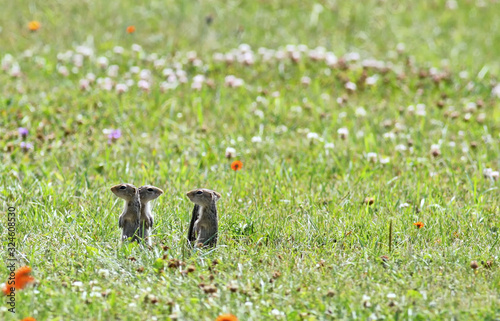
{"x": 147, "y": 193}
{"x": 130, "y": 217}
{"x": 204, "y": 226}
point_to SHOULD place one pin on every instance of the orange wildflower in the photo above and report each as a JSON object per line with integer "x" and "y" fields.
{"x": 226, "y": 317}
{"x": 34, "y": 25}
{"x": 21, "y": 278}
{"x": 29, "y": 319}
{"x": 236, "y": 165}
{"x": 130, "y": 29}
{"x": 419, "y": 224}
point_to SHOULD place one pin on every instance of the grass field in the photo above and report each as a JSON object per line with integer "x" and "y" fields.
{"x": 368, "y": 131}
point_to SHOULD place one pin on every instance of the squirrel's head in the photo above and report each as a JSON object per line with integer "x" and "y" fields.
{"x": 125, "y": 191}
{"x": 149, "y": 193}
{"x": 203, "y": 196}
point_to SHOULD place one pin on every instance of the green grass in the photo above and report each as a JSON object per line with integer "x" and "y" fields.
{"x": 297, "y": 241}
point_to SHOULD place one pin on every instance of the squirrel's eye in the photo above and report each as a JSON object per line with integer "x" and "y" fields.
{"x": 150, "y": 189}
{"x": 123, "y": 187}
{"x": 199, "y": 192}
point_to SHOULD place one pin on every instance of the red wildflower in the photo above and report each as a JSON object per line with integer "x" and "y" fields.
{"x": 130, "y": 29}
{"x": 34, "y": 25}
{"x": 226, "y": 317}
{"x": 419, "y": 224}
{"x": 21, "y": 279}
{"x": 236, "y": 165}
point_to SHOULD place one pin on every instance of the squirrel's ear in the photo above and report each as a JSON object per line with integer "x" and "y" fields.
{"x": 216, "y": 196}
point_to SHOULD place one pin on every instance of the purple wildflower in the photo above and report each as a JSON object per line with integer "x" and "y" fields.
{"x": 114, "y": 135}
{"x": 26, "y": 146}
{"x": 23, "y": 132}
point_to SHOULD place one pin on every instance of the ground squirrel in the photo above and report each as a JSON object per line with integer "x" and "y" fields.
{"x": 129, "y": 219}
{"x": 204, "y": 226}
{"x": 147, "y": 193}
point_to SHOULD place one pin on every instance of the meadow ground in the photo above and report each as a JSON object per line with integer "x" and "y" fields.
{"x": 368, "y": 132}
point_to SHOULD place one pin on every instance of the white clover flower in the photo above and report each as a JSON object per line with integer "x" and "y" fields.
{"x": 312, "y": 136}
{"x": 244, "y": 48}
{"x": 113, "y": 71}
{"x": 352, "y": 56}
{"x": 85, "y": 50}
{"x": 165, "y": 86}
{"x": 259, "y": 113}
{"x": 229, "y": 58}
{"x": 196, "y": 85}
{"x": 145, "y": 74}
{"x": 277, "y": 312}
{"x": 78, "y": 284}
{"x": 238, "y": 82}
{"x": 451, "y": 4}
{"x": 391, "y": 296}
{"x": 281, "y": 129}
{"x": 343, "y": 132}
{"x": 385, "y": 160}
{"x": 90, "y": 77}
{"x": 199, "y": 78}
{"x": 248, "y": 58}
{"x": 256, "y": 139}
{"x": 401, "y": 148}
{"x": 372, "y": 157}
{"x": 136, "y": 47}
{"x": 435, "y": 147}
{"x": 361, "y": 112}
{"x": 143, "y": 84}
{"x": 78, "y": 60}
{"x": 121, "y": 88}
{"x": 496, "y": 91}
{"x": 404, "y": 205}
{"x": 135, "y": 69}
{"x": 219, "y": 57}
{"x": 229, "y": 80}
{"x": 167, "y": 72}
{"x": 118, "y": 50}
{"x": 329, "y": 146}
{"x": 7, "y": 61}
{"x": 420, "y": 110}
{"x": 230, "y": 152}
{"x": 390, "y": 135}
{"x": 489, "y": 173}
{"x": 102, "y": 62}
{"x": 63, "y": 71}
{"x": 191, "y": 55}
{"x": 471, "y": 107}
{"x": 350, "y": 86}
{"x": 306, "y": 81}
{"x": 365, "y": 298}
{"x": 84, "y": 84}
{"x": 372, "y": 80}
{"x": 435, "y": 150}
